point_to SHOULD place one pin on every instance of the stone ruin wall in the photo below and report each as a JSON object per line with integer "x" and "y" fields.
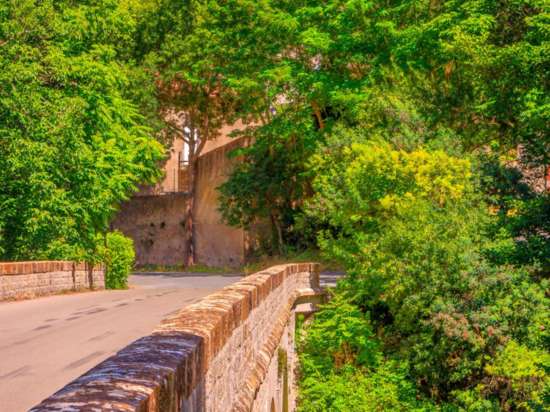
{"x": 156, "y": 224}
{"x": 224, "y": 353}
{"x": 23, "y": 280}
{"x": 279, "y": 377}
{"x": 216, "y": 244}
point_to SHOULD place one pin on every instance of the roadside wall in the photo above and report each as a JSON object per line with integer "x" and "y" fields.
{"x": 21, "y": 280}
{"x": 157, "y": 226}
{"x": 224, "y": 353}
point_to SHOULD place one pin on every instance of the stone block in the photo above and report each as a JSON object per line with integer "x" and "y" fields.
{"x": 217, "y": 355}
{"x": 20, "y": 280}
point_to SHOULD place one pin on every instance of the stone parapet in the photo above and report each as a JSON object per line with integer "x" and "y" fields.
{"x": 22, "y": 280}
{"x": 217, "y": 355}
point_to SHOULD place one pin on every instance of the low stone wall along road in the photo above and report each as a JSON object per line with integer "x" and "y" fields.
{"x": 47, "y": 342}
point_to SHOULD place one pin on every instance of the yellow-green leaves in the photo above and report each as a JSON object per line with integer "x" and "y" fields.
{"x": 379, "y": 179}
{"x": 522, "y": 372}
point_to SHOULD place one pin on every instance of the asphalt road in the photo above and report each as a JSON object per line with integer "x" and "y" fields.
{"x": 47, "y": 342}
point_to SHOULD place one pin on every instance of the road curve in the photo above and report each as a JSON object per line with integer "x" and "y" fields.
{"x": 47, "y": 342}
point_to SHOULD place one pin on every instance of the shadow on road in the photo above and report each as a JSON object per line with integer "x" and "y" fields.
{"x": 186, "y": 274}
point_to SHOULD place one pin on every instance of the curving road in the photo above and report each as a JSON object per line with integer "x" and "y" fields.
{"x": 47, "y": 342}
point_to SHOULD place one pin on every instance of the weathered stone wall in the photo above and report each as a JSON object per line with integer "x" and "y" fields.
{"x": 278, "y": 387}
{"x": 157, "y": 226}
{"x": 216, "y": 243}
{"x": 21, "y": 280}
{"x": 156, "y": 223}
{"x": 218, "y": 355}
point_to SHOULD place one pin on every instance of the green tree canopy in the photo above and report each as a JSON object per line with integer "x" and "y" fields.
{"x": 72, "y": 144}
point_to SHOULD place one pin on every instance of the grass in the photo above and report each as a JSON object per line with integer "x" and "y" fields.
{"x": 259, "y": 263}
{"x": 198, "y": 268}
{"x": 254, "y": 264}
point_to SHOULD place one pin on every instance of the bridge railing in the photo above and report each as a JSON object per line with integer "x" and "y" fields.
{"x": 23, "y": 280}
{"x": 221, "y": 354}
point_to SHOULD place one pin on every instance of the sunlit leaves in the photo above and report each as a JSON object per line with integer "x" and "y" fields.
{"x": 72, "y": 145}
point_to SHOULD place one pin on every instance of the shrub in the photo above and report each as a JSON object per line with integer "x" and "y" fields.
{"x": 386, "y": 389}
{"x": 518, "y": 375}
{"x": 342, "y": 367}
{"x": 411, "y": 231}
{"x": 119, "y": 256}
{"x": 340, "y": 335}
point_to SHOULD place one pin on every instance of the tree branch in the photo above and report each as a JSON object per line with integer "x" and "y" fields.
{"x": 180, "y": 131}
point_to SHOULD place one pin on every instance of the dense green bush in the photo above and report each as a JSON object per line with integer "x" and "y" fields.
{"x": 343, "y": 369}
{"x": 119, "y": 256}
{"x": 521, "y": 213}
{"x": 411, "y": 230}
{"x": 73, "y": 144}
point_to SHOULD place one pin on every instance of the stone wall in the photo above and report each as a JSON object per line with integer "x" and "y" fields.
{"x": 156, "y": 223}
{"x": 225, "y": 353}
{"x": 278, "y": 387}
{"x": 216, "y": 244}
{"x": 157, "y": 226}
{"x": 21, "y": 280}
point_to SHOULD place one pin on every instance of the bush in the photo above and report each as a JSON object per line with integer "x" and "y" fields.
{"x": 342, "y": 367}
{"x": 522, "y": 213}
{"x": 340, "y": 335}
{"x": 385, "y": 389}
{"x": 411, "y": 231}
{"x": 118, "y": 256}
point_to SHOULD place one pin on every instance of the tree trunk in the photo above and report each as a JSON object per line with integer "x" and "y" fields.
{"x": 278, "y": 233}
{"x": 73, "y": 273}
{"x": 546, "y": 178}
{"x": 318, "y": 115}
{"x": 190, "y": 206}
{"x": 90, "y": 270}
{"x": 196, "y": 142}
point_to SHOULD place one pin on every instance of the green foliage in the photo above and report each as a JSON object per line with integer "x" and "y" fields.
{"x": 377, "y": 96}
{"x": 340, "y": 336}
{"x": 342, "y": 368}
{"x": 382, "y": 203}
{"x": 119, "y": 256}
{"x": 519, "y": 373}
{"x": 368, "y": 123}
{"x": 271, "y": 181}
{"x": 386, "y": 389}
{"x": 410, "y": 229}
{"x": 522, "y": 213}
{"x": 72, "y": 145}
{"x": 452, "y": 75}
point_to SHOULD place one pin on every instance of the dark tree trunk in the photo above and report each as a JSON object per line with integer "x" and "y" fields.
{"x": 90, "y": 270}
{"x": 189, "y": 217}
{"x": 73, "y": 273}
{"x": 318, "y": 115}
{"x": 277, "y": 234}
{"x": 196, "y": 144}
